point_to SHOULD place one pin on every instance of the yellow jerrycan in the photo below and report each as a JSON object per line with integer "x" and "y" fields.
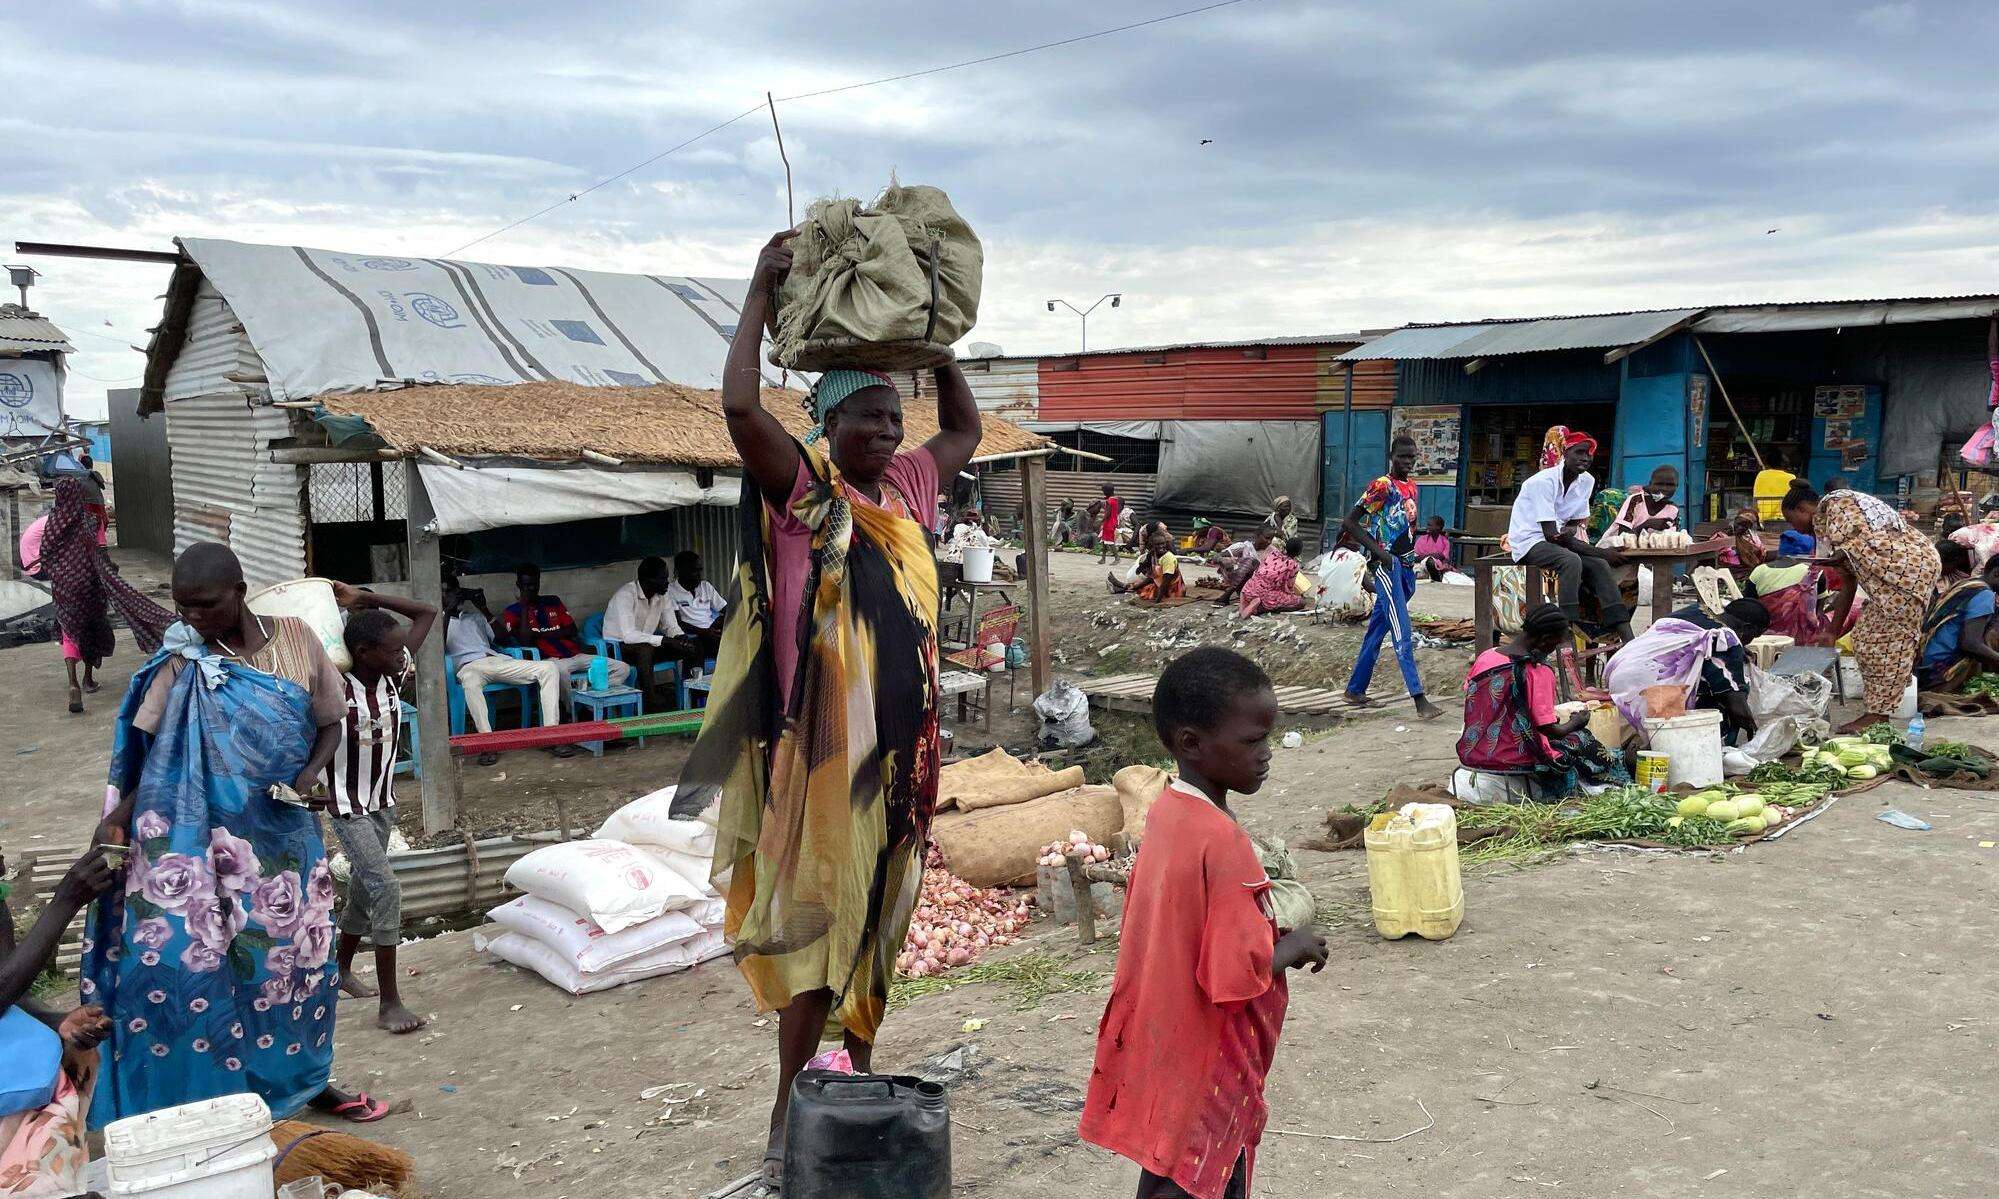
{"x": 1412, "y": 872}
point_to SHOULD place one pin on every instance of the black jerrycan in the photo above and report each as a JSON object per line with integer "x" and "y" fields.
{"x": 866, "y": 1136}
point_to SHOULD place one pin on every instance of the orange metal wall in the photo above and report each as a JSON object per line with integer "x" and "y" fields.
{"x": 1287, "y": 382}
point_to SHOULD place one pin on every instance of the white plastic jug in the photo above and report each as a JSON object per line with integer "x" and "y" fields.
{"x": 311, "y": 600}
{"x": 213, "y": 1149}
{"x": 1692, "y": 741}
{"x": 978, "y": 565}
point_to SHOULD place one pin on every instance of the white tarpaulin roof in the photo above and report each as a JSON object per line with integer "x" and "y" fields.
{"x": 324, "y": 321}
{"x": 1493, "y": 339}
{"x": 499, "y": 497}
{"x": 1791, "y": 318}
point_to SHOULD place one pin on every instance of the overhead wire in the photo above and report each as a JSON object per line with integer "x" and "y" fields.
{"x": 833, "y": 91}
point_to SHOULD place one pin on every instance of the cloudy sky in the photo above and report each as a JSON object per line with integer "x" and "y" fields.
{"x": 1364, "y": 164}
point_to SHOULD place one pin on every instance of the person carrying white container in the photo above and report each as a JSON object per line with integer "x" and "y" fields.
{"x": 1690, "y": 660}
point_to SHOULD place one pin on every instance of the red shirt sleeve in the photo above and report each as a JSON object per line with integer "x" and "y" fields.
{"x": 1237, "y": 937}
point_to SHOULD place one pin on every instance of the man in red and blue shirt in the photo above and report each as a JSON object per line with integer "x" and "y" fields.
{"x": 541, "y": 622}
{"x": 1383, "y": 525}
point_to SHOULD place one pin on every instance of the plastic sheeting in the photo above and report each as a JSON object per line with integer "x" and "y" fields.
{"x": 1935, "y": 382}
{"x": 1239, "y": 466}
{"x": 499, "y": 497}
{"x": 326, "y": 321}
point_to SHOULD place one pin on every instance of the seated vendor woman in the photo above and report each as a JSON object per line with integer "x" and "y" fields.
{"x": 1703, "y": 656}
{"x": 1955, "y": 644}
{"x": 1156, "y": 575}
{"x": 48, "y": 1060}
{"x": 1511, "y": 727}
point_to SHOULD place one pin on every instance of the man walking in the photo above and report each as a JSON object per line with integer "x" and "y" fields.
{"x": 1383, "y": 524}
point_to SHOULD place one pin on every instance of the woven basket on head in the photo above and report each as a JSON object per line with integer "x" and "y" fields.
{"x": 851, "y": 353}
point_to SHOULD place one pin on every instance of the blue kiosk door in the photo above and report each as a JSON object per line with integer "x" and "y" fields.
{"x": 1343, "y": 475}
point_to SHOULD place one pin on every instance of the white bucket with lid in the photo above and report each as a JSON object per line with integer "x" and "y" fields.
{"x": 212, "y": 1149}
{"x": 1692, "y": 743}
{"x": 978, "y": 565}
{"x": 311, "y": 600}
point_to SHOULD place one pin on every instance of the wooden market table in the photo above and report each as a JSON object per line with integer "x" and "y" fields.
{"x": 1662, "y": 562}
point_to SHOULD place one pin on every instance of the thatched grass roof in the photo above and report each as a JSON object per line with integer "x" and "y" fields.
{"x": 667, "y": 425}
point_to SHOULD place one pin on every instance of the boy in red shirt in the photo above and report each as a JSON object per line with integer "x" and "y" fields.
{"x": 1192, "y": 1023}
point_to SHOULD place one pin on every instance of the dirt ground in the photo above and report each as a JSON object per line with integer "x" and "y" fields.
{"x": 1803, "y": 1015}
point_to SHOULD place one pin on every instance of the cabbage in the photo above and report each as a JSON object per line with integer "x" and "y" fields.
{"x": 1748, "y": 805}
{"x": 1695, "y": 805}
{"x": 1862, "y": 771}
{"x": 1724, "y": 811}
{"x": 1747, "y": 824}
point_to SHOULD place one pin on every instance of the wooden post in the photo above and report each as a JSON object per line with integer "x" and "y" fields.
{"x": 440, "y": 782}
{"x": 1034, "y": 496}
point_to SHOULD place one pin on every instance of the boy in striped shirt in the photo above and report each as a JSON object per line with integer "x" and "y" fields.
{"x": 359, "y": 797}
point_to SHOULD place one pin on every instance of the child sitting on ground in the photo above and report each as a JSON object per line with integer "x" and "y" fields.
{"x": 359, "y": 797}
{"x": 1433, "y": 549}
{"x": 1155, "y": 576}
{"x": 1191, "y": 1027}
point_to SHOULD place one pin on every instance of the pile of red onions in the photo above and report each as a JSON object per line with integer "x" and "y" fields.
{"x": 1079, "y": 845}
{"x": 955, "y": 923}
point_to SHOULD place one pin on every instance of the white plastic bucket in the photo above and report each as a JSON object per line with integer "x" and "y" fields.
{"x": 214, "y": 1149}
{"x": 1692, "y": 742}
{"x": 1849, "y": 676}
{"x": 311, "y": 600}
{"x": 978, "y": 565}
{"x": 1906, "y": 710}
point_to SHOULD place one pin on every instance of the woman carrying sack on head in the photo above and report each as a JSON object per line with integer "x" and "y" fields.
{"x": 820, "y": 742}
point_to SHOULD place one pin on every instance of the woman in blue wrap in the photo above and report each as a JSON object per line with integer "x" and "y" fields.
{"x": 213, "y": 961}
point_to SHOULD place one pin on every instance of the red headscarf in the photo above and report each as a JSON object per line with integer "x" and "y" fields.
{"x": 1576, "y": 437}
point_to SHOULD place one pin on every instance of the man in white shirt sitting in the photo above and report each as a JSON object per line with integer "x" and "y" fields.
{"x": 1546, "y": 530}
{"x": 696, "y": 604}
{"x": 468, "y": 648}
{"x": 640, "y": 617}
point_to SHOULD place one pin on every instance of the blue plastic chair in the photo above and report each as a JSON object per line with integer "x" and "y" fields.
{"x": 409, "y": 758}
{"x": 454, "y": 692}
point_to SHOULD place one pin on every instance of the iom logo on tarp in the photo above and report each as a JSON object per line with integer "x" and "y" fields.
{"x": 437, "y": 312}
{"x": 487, "y": 380}
{"x": 388, "y": 264}
{"x": 16, "y": 391}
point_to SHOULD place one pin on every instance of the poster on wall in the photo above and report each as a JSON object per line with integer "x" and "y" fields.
{"x": 30, "y": 397}
{"x": 1697, "y": 410}
{"x": 1436, "y": 430}
{"x": 1848, "y": 401}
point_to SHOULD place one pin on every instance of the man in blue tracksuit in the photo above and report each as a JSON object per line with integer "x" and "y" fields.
{"x": 1383, "y": 524}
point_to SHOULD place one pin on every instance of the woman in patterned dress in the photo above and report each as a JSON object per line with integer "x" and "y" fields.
{"x": 1898, "y": 567}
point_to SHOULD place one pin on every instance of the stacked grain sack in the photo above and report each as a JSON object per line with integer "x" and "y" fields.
{"x": 631, "y": 903}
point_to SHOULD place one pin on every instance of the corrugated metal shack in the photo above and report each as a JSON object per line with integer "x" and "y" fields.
{"x": 1214, "y": 429}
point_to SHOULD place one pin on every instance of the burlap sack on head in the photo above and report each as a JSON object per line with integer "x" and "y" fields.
{"x": 997, "y": 846}
{"x": 995, "y": 779}
{"x": 889, "y": 287}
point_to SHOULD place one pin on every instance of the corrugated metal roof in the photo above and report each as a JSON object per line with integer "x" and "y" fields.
{"x": 25, "y": 332}
{"x": 1844, "y": 314}
{"x": 1499, "y": 338}
{"x": 1317, "y": 339}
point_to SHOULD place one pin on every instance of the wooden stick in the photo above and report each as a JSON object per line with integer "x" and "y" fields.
{"x": 1086, "y": 910}
{"x": 790, "y": 213}
{"x": 441, "y": 459}
{"x": 1431, "y": 1122}
{"x": 602, "y": 459}
{"x": 1723, "y": 389}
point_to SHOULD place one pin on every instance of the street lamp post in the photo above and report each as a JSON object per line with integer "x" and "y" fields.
{"x": 1115, "y": 298}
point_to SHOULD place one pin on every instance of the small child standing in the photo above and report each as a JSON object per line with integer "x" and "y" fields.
{"x": 359, "y": 797}
{"x": 1191, "y": 1027}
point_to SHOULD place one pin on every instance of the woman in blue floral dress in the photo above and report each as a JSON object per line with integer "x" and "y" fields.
{"x": 214, "y": 960}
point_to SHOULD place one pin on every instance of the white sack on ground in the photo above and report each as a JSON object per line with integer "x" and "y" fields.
{"x": 548, "y": 962}
{"x": 614, "y": 884}
{"x": 590, "y": 949}
{"x": 648, "y": 821}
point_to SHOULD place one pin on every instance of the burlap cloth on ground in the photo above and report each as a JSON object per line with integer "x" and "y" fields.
{"x": 996, "y": 779}
{"x": 889, "y": 287}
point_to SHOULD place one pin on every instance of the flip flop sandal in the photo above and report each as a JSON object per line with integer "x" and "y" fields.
{"x": 772, "y": 1182}
{"x": 76, "y": 700}
{"x": 489, "y": 759}
{"x": 1360, "y": 701}
{"x": 362, "y": 1109}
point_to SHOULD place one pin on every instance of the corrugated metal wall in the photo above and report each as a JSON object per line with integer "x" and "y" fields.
{"x": 1003, "y": 496}
{"x": 1271, "y": 382}
{"x": 1557, "y": 378}
{"x": 1008, "y": 387}
{"x": 225, "y": 486}
{"x": 216, "y": 347}
{"x": 1373, "y": 383}
{"x": 227, "y": 489}
{"x": 142, "y": 489}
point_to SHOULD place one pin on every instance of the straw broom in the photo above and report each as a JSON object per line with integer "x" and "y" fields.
{"x": 345, "y": 1160}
